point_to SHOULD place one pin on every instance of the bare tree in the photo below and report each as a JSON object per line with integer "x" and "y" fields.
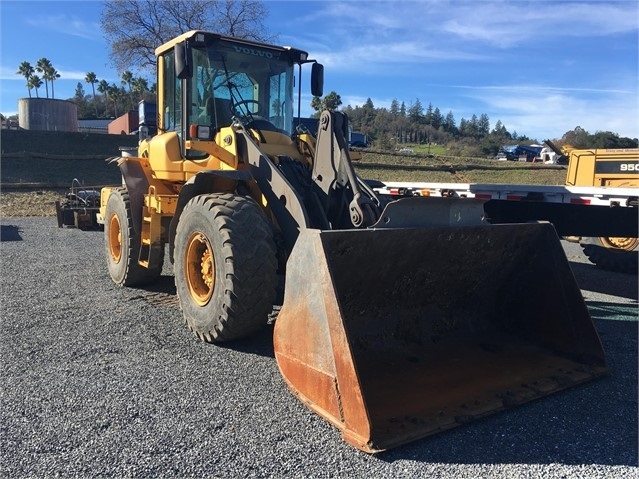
{"x": 242, "y": 19}
{"x": 135, "y": 28}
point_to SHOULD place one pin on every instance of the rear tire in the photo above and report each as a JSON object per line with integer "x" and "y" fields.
{"x": 612, "y": 259}
{"x": 225, "y": 266}
{"x": 122, "y": 243}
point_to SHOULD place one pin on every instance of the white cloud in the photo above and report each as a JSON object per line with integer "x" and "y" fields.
{"x": 72, "y": 75}
{"x": 387, "y": 58}
{"x": 447, "y": 26}
{"x": 406, "y": 41}
{"x": 506, "y": 24}
{"x": 7, "y": 73}
{"x": 542, "y": 112}
{"x": 68, "y": 24}
{"x": 378, "y": 102}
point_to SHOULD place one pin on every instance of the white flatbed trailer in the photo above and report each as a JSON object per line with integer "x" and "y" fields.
{"x": 596, "y": 217}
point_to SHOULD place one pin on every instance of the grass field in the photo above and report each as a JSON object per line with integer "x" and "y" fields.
{"x": 440, "y": 169}
{"x": 37, "y": 168}
{"x": 55, "y": 159}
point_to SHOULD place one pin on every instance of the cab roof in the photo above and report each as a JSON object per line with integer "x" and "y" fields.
{"x": 216, "y": 36}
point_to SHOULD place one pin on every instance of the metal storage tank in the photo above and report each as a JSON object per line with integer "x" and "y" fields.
{"x": 47, "y": 114}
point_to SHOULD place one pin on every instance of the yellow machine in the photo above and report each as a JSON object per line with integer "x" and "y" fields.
{"x": 615, "y": 168}
{"x": 397, "y": 320}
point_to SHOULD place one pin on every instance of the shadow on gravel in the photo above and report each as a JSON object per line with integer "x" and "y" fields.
{"x": 163, "y": 293}
{"x": 260, "y": 343}
{"x": 166, "y": 284}
{"x": 613, "y": 312}
{"x": 595, "y": 423}
{"x": 10, "y": 233}
{"x": 591, "y": 278}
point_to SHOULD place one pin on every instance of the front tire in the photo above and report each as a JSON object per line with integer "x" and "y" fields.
{"x": 225, "y": 266}
{"x": 122, "y": 243}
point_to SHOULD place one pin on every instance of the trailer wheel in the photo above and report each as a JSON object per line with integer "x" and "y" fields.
{"x": 614, "y": 254}
{"x": 122, "y": 244}
{"x": 225, "y": 266}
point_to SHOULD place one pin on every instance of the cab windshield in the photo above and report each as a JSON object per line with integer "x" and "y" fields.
{"x": 231, "y": 80}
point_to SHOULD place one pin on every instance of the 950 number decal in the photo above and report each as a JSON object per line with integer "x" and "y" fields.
{"x": 629, "y": 167}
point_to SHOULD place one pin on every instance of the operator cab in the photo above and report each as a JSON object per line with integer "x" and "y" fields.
{"x": 207, "y": 81}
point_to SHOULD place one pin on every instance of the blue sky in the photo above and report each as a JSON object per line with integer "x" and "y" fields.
{"x": 540, "y": 67}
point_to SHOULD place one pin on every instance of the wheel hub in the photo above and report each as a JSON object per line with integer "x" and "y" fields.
{"x": 626, "y": 244}
{"x": 115, "y": 239}
{"x": 200, "y": 268}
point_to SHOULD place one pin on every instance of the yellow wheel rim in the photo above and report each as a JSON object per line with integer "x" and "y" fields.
{"x": 115, "y": 238}
{"x": 626, "y": 244}
{"x": 200, "y": 268}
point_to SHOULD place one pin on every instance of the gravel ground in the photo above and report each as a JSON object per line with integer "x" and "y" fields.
{"x": 99, "y": 381}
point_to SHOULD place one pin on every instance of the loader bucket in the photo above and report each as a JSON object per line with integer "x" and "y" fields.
{"x": 396, "y": 334}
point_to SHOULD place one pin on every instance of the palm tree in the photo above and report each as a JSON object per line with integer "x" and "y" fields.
{"x": 103, "y": 87}
{"x": 43, "y": 66}
{"x": 92, "y": 79}
{"x": 34, "y": 82}
{"x": 116, "y": 94}
{"x": 140, "y": 85}
{"x": 52, "y": 74}
{"x": 26, "y": 70}
{"x": 127, "y": 79}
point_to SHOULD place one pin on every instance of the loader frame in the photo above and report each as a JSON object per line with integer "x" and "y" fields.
{"x": 244, "y": 199}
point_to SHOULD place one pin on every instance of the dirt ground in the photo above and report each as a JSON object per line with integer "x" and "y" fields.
{"x": 29, "y": 203}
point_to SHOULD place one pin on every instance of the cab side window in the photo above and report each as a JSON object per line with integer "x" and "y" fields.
{"x": 172, "y": 95}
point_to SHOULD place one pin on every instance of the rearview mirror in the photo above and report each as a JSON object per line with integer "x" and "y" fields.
{"x": 183, "y": 64}
{"x": 317, "y": 79}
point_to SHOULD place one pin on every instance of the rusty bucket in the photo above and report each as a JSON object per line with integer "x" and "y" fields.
{"x": 396, "y": 334}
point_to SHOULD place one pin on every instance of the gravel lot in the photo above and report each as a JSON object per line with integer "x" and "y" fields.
{"x": 99, "y": 381}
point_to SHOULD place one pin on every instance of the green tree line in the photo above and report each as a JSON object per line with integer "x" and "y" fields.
{"x": 113, "y": 100}
{"x": 387, "y": 128}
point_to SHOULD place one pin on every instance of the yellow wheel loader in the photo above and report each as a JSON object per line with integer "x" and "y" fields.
{"x": 607, "y": 168}
{"x": 611, "y": 168}
{"x": 397, "y": 320}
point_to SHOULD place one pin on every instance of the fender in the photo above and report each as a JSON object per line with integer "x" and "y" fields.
{"x": 208, "y": 181}
{"x": 137, "y": 185}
